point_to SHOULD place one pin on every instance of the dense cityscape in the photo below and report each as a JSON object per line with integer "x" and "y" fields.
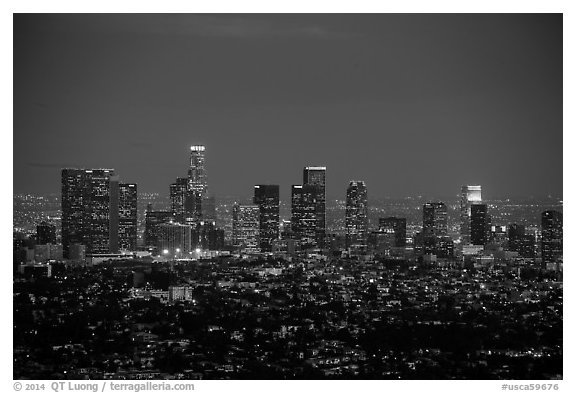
{"x": 114, "y": 283}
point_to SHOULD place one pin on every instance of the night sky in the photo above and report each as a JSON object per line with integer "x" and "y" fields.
{"x": 411, "y": 104}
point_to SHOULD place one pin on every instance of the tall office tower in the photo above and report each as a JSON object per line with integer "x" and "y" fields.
{"x": 123, "y": 218}
{"x": 174, "y": 239}
{"x": 98, "y": 214}
{"x": 86, "y": 209}
{"x": 127, "y": 216}
{"x": 316, "y": 176}
{"x": 304, "y": 218}
{"x": 551, "y": 236}
{"x": 178, "y": 199}
{"x": 356, "y": 214}
{"x": 435, "y": 225}
{"x": 73, "y": 190}
{"x": 45, "y": 233}
{"x": 394, "y": 225}
{"x": 246, "y": 228}
{"x": 470, "y": 195}
{"x": 209, "y": 209}
{"x": 153, "y": 221}
{"x": 197, "y": 183}
{"x": 114, "y": 213}
{"x": 267, "y": 197}
{"x": 479, "y": 225}
{"x": 435, "y": 219}
{"x": 520, "y": 241}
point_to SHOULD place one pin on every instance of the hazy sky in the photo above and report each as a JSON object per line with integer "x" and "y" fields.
{"x": 411, "y": 104}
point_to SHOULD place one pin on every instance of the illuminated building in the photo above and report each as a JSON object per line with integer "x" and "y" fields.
{"x": 479, "y": 224}
{"x": 73, "y": 209}
{"x": 45, "y": 233}
{"x": 435, "y": 226}
{"x": 551, "y": 236}
{"x": 394, "y": 225}
{"x": 382, "y": 241}
{"x": 206, "y": 236}
{"x": 153, "y": 220}
{"x": 86, "y": 209}
{"x": 197, "y": 183}
{"x": 267, "y": 197}
{"x": 470, "y": 195}
{"x": 246, "y": 228}
{"x": 435, "y": 219}
{"x": 123, "y": 217}
{"x": 444, "y": 247}
{"x": 127, "y": 216}
{"x": 356, "y": 214}
{"x": 209, "y": 209}
{"x": 520, "y": 241}
{"x": 390, "y": 237}
{"x": 178, "y": 199}
{"x": 304, "y": 217}
{"x": 180, "y": 293}
{"x": 498, "y": 234}
{"x": 174, "y": 239}
{"x": 316, "y": 176}
{"x": 114, "y": 208}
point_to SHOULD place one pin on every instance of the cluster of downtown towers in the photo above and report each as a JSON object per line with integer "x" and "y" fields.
{"x": 99, "y": 216}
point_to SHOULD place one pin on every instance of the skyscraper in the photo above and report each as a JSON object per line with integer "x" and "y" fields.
{"x": 435, "y": 219}
{"x": 209, "y": 209}
{"x": 434, "y": 228}
{"x": 73, "y": 190}
{"x": 197, "y": 182}
{"x": 153, "y": 221}
{"x": 520, "y": 241}
{"x": 178, "y": 199}
{"x": 551, "y": 236}
{"x": 479, "y": 224}
{"x": 470, "y": 195}
{"x": 86, "y": 209}
{"x": 356, "y": 214}
{"x": 304, "y": 218}
{"x": 246, "y": 228}
{"x": 98, "y": 214}
{"x": 316, "y": 176}
{"x": 267, "y": 197}
{"x": 114, "y": 211}
{"x": 127, "y": 216}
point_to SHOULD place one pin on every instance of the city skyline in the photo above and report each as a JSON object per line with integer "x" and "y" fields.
{"x": 288, "y": 197}
{"x": 483, "y": 106}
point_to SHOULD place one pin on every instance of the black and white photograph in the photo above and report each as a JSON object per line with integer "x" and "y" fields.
{"x": 287, "y": 196}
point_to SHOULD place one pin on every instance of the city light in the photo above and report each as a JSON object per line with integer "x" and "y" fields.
{"x": 251, "y": 260}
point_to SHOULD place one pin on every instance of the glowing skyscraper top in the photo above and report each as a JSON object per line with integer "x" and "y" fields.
{"x": 470, "y": 195}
